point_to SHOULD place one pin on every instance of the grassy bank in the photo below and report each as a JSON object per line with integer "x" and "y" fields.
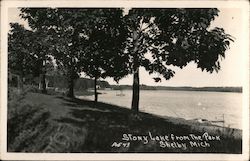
{"x": 54, "y": 123}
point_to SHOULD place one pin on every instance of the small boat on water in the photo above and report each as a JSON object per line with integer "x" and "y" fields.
{"x": 200, "y": 120}
{"x": 120, "y": 94}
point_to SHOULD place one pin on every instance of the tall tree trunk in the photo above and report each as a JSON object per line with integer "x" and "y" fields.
{"x": 44, "y": 90}
{"x": 43, "y": 81}
{"x": 96, "y": 94}
{"x": 20, "y": 78}
{"x": 71, "y": 86}
{"x": 136, "y": 91}
{"x": 136, "y": 80}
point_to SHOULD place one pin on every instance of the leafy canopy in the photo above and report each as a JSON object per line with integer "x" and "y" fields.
{"x": 104, "y": 55}
{"x": 20, "y": 57}
{"x": 159, "y": 38}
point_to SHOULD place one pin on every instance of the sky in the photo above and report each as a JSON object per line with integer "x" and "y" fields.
{"x": 231, "y": 73}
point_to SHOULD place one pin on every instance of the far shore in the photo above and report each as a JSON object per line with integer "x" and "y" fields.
{"x": 180, "y": 88}
{"x": 89, "y": 92}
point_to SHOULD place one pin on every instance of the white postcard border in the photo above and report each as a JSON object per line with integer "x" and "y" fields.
{"x": 4, "y": 155}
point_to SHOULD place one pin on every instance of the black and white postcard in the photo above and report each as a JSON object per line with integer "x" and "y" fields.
{"x": 124, "y": 80}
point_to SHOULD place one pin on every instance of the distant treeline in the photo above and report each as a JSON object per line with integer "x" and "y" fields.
{"x": 80, "y": 83}
{"x": 214, "y": 89}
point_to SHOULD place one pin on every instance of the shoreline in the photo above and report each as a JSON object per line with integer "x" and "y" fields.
{"x": 212, "y": 128}
{"x": 208, "y": 121}
{"x": 200, "y": 126}
{"x": 99, "y": 127}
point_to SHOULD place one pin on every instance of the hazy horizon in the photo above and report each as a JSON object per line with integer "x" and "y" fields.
{"x": 180, "y": 86}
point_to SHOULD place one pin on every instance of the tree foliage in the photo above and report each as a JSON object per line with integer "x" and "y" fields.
{"x": 104, "y": 52}
{"x": 20, "y": 58}
{"x": 104, "y": 55}
{"x": 65, "y": 39}
{"x": 161, "y": 38}
{"x": 103, "y": 42}
{"x": 84, "y": 40}
{"x": 41, "y": 39}
{"x": 186, "y": 36}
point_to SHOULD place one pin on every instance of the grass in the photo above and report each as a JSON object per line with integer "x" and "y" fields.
{"x": 53, "y": 123}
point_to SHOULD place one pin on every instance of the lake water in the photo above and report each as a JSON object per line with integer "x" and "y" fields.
{"x": 184, "y": 104}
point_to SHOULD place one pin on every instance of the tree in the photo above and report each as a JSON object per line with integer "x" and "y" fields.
{"x": 70, "y": 26}
{"x": 41, "y": 42}
{"x": 104, "y": 56}
{"x": 66, "y": 39}
{"x": 87, "y": 40}
{"x": 90, "y": 41}
{"x": 159, "y": 38}
{"x": 41, "y": 39}
{"x": 19, "y": 56}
